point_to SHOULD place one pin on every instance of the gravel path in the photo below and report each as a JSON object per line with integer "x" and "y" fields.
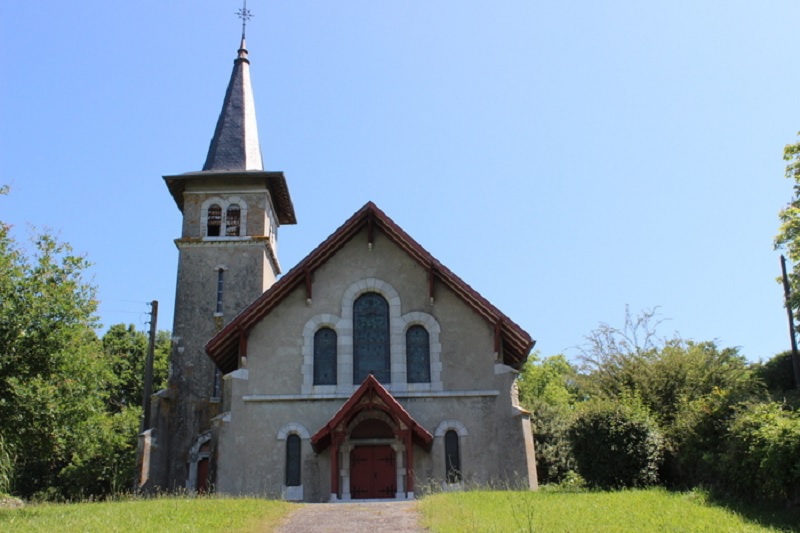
{"x": 373, "y": 517}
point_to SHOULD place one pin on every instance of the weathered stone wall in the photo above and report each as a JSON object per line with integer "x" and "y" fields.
{"x": 474, "y": 395}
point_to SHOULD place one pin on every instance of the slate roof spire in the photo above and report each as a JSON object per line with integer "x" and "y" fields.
{"x": 235, "y": 143}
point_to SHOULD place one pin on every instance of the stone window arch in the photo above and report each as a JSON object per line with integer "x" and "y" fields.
{"x": 293, "y": 434}
{"x": 316, "y": 323}
{"x": 431, "y": 325}
{"x": 224, "y": 217}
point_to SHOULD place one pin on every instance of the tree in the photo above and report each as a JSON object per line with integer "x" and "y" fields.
{"x": 548, "y": 388}
{"x": 788, "y": 237}
{"x": 52, "y": 371}
{"x": 126, "y": 350}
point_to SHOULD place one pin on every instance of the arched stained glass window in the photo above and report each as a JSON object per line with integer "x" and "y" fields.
{"x": 418, "y": 355}
{"x": 371, "y": 338}
{"x": 452, "y": 457}
{"x": 325, "y": 357}
{"x": 214, "y": 220}
{"x": 293, "y": 460}
{"x": 232, "y": 221}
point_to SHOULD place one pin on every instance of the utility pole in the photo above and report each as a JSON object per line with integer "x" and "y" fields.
{"x": 787, "y": 296}
{"x": 148, "y": 367}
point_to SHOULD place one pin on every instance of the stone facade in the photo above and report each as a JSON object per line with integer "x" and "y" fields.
{"x": 470, "y": 391}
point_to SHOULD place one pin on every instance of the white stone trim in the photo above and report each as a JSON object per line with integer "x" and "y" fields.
{"x": 296, "y": 428}
{"x": 195, "y": 456}
{"x": 420, "y": 318}
{"x": 224, "y": 204}
{"x": 346, "y": 395}
{"x": 325, "y": 320}
{"x": 447, "y": 425}
{"x": 342, "y": 324}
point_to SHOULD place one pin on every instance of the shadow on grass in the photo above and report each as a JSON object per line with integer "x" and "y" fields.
{"x": 766, "y": 514}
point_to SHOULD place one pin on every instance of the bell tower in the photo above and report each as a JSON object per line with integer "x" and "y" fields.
{"x": 228, "y": 256}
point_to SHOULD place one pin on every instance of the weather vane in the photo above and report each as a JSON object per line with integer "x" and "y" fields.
{"x": 245, "y": 15}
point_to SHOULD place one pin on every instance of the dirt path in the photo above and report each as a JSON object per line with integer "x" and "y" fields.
{"x": 373, "y": 517}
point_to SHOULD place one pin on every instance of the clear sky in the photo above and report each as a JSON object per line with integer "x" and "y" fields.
{"x": 565, "y": 158}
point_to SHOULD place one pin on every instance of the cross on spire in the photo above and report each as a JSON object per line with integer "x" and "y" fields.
{"x": 245, "y": 15}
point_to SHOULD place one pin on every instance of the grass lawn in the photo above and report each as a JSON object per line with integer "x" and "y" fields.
{"x": 553, "y": 511}
{"x": 139, "y": 515}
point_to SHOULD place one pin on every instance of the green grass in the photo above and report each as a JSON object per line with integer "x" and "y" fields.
{"x": 147, "y": 515}
{"x": 554, "y": 511}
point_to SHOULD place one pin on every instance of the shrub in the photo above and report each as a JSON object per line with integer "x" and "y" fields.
{"x": 616, "y": 444}
{"x": 554, "y": 458}
{"x": 762, "y": 453}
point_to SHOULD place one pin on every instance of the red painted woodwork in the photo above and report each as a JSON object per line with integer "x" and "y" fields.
{"x": 373, "y": 473}
{"x": 202, "y": 475}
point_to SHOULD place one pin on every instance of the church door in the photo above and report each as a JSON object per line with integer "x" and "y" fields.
{"x": 372, "y": 472}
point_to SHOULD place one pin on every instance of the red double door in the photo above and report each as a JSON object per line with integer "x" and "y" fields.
{"x": 373, "y": 473}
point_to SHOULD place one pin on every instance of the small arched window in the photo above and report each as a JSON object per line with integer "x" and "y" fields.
{"x": 452, "y": 457}
{"x": 325, "y": 357}
{"x": 418, "y": 355}
{"x": 232, "y": 220}
{"x": 214, "y": 220}
{"x": 371, "y": 338}
{"x": 293, "y": 460}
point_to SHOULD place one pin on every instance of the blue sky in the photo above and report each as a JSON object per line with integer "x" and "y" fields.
{"x": 565, "y": 158}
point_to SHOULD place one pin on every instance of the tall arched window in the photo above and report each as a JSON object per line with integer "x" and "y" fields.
{"x": 452, "y": 457}
{"x": 418, "y": 355}
{"x": 232, "y": 221}
{"x": 214, "y": 220}
{"x": 293, "y": 460}
{"x": 371, "y": 338}
{"x": 325, "y": 357}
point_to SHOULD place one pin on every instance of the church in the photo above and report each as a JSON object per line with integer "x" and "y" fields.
{"x": 369, "y": 370}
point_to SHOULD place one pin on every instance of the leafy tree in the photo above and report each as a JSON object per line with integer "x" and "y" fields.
{"x": 548, "y": 388}
{"x": 126, "y": 350}
{"x": 52, "y": 372}
{"x": 778, "y": 376}
{"x": 788, "y": 236}
{"x": 665, "y": 373}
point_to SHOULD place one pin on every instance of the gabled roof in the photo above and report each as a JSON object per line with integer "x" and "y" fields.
{"x": 513, "y": 342}
{"x": 235, "y": 142}
{"x": 371, "y": 395}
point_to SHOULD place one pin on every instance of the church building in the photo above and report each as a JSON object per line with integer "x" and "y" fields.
{"x": 369, "y": 370}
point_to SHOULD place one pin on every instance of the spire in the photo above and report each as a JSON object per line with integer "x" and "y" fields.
{"x": 235, "y": 143}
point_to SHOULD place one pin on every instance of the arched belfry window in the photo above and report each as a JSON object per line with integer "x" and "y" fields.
{"x": 293, "y": 460}
{"x": 325, "y": 357}
{"x": 214, "y": 220}
{"x": 232, "y": 220}
{"x": 452, "y": 457}
{"x": 371, "y": 353}
{"x": 418, "y": 355}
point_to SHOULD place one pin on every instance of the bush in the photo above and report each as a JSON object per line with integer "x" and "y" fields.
{"x": 617, "y": 444}
{"x": 554, "y": 458}
{"x": 762, "y": 453}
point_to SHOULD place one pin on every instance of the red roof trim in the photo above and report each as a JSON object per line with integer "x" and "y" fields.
{"x": 517, "y": 343}
{"x": 371, "y": 387}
